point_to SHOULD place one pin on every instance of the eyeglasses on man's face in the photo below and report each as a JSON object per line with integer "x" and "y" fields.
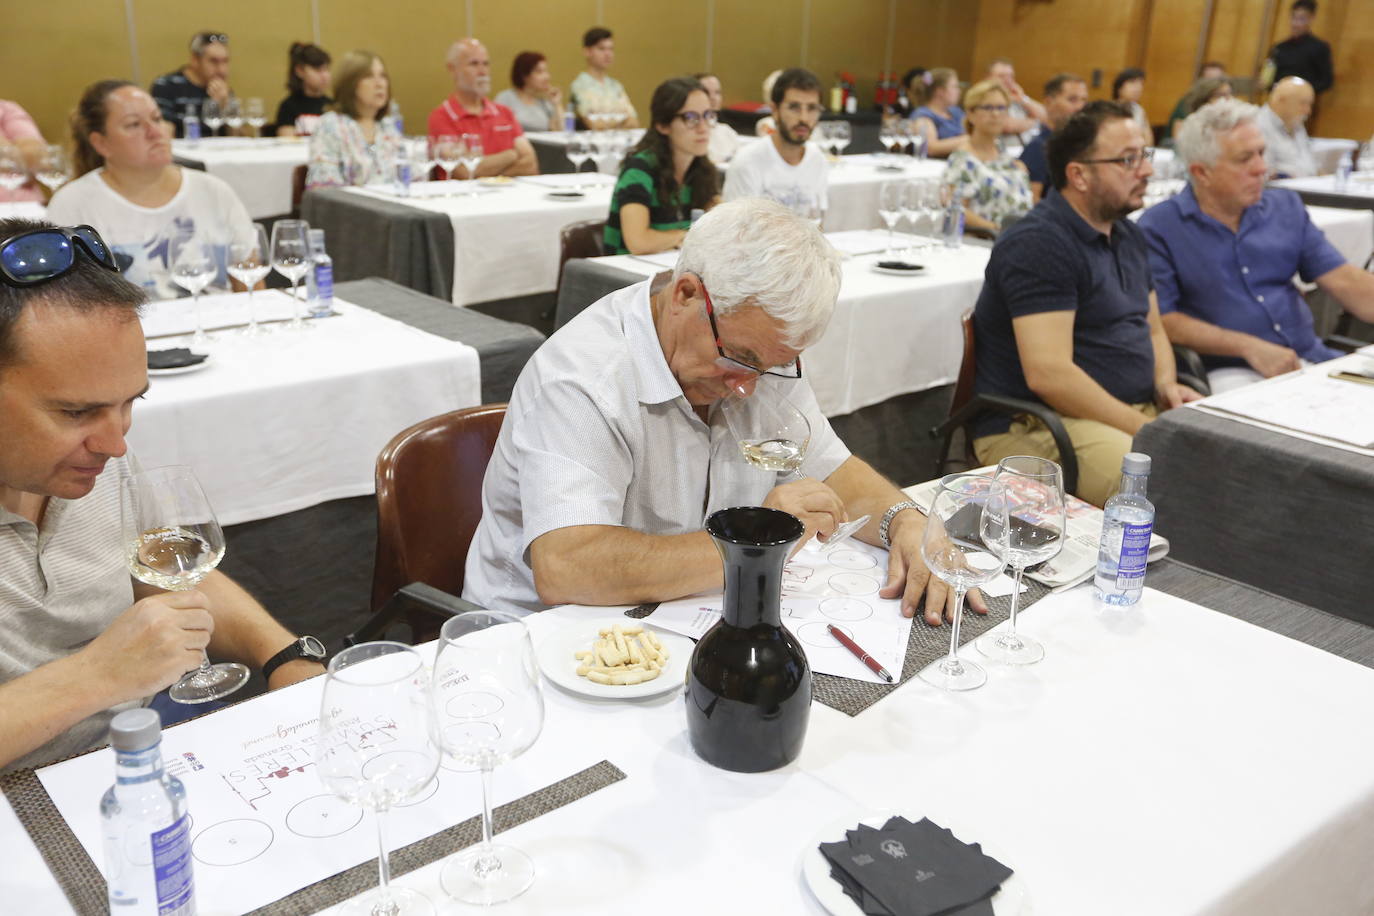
{"x": 991, "y": 109}
{"x": 790, "y": 369}
{"x": 694, "y": 119}
{"x": 1130, "y": 161}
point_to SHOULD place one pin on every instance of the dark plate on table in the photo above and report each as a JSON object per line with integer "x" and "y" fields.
{"x": 898, "y": 268}
{"x": 565, "y": 195}
{"x": 174, "y": 360}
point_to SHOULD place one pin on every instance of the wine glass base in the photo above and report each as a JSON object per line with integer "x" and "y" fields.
{"x": 394, "y": 901}
{"x": 203, "y": 686}
{"x": 1010, "y": 648}
{"x": 460, "y": 880}
{"x": 953, "y": 675}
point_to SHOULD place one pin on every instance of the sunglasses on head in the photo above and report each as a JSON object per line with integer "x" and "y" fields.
{"x": 40, "y": 255}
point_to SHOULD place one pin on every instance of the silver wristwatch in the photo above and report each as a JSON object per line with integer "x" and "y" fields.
{"x": 888, "y": 516}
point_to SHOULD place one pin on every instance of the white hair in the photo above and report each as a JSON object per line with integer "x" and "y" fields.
{"x": 1197, "y": 138}
{"x": 756, "y": 252}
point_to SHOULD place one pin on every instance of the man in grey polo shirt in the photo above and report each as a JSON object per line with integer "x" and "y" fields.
{"x": 614, "y": 450}
{"x": 79, "y": 639}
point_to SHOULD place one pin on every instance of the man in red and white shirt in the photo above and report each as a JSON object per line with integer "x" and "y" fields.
{"x": 505, "y": 149}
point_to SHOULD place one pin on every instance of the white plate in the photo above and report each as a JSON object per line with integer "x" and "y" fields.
{"x": 556, "y": 660}
{"x": 893, "y": 272}
{"x": 182, "y": 370}
{"x": 566, "y": 197}
{"x": 1011, "y": 900}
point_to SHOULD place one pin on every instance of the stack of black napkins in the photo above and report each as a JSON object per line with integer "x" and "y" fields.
{"x": 920, "y": 869}
{"x": 173, "y": 358}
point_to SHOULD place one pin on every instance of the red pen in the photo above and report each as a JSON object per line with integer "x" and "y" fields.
{"x": 859, "y": 653}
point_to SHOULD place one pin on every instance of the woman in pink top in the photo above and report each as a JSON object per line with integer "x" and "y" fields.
{"x": 18, "y": 130}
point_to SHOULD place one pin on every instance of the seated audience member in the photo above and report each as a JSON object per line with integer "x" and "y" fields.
{"x": 204, "y": 76}
{"x": 939, "y": 119}
{"x": 1302, "y": 53}
{"x": 614, "y": 450}
{"x": 1024, "y": 114}
{"x": 1203, "y": 92}
{"x": 1209, "y": 71}
{"x": 765, "y": 126}
{"x": 1067, "y": 316}
{"x": 533, "y": 98}
{"x": 1225, "y": 249}
{"x": 724, "y": 138}
{"x": 595, "y": 91}
{"x": 81, "y": 639}
{"x": 308, "y": 80}
{"x": 1065, "y": 96}
{"x": 667, "y": 174}
{"x": 353, "y": 142}
{"x": 912, "y": 87}
{"x": 1127, "y": 89}
{"x": 1288, "y": 149}
{"x": 994, "y": 187}
{"x": 129, "y": 189}
{"x": 18, "y": 131}
{"x": 505, "y": 149}
{"x": 785, "y": 167}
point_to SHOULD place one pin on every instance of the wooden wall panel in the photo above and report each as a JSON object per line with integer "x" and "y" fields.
{"x": 553, "y": 29}
{"x": 935, "y": 33}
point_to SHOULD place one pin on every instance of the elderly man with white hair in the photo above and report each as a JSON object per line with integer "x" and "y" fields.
{"x": 1223, "y": 254}
{"x": 1289, "y": 151}
{"x": 614, "y": 448}
{"x": 469, "y": 111}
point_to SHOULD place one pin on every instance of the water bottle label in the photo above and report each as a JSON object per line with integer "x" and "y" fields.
{"x": 1135, "y": 553}
{"x": 191, "y": 128}
{"x": 322, "y": 305}
{"x": 172, "y": 868}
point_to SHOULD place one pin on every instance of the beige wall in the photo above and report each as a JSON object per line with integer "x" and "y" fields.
{"x": 46, "y": 60}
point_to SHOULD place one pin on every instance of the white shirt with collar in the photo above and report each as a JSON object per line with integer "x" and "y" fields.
{"x": 598, "y": 432}
{"x": 1288, "y": 153}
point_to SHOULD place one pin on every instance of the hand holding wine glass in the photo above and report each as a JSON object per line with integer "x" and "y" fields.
{"x": 249, "y": 262}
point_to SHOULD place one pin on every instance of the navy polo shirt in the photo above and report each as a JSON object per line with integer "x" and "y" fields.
{"x": 1241, "y": 281}
{"x": 1033, "y": 157}
{"x": 1053, "y": 261}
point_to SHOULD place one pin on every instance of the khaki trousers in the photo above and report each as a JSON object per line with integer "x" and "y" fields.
{"x": 1099, "y": 447}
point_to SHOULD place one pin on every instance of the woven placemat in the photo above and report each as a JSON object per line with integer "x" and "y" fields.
{"x": 85, "y": 887}
{"x": 926, "y": 644}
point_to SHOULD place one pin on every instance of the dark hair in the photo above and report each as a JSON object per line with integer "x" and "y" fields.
{"x": 303, "y": 54}
{"x": 1309, "y": 5}
{"x": 353, "y": 69}
{"x": 86, "y": 288}
{"x": 1056, "y": 83}
{"x": 1202, "y": 91}
{"x": 794, "y": 78}
{"x": 910, "y": 75}
{"x": 1124, "y": 77}
{"x": 1078, "y": 136}
{"x": 595, "y": 36}
{"x": 701, "y": 175}
{"x": 933, "y": 80}
{"x": 523, "y": 66}
{"x": 88, "y": 118}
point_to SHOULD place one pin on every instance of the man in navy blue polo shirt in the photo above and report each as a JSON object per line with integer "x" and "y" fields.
{"x": 1067, "y": 315}
{"x": 1224, "y": 251}
{"x": 1065, "y": 96}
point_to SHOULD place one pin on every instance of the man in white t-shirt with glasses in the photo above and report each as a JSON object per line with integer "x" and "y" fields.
{"x": 784, "y": 166}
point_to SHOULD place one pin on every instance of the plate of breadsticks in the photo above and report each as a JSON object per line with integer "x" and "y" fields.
{"x": 615, "y": 658}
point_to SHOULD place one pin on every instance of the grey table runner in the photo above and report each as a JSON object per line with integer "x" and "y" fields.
{"x": 370, "y": 237}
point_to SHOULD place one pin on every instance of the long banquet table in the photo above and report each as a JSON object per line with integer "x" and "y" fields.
{"x": 1165, "y": 759}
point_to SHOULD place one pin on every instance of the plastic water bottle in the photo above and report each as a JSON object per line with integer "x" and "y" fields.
{"x": 1343, "y": 172}
{"x": 569, "y": 122}
{"x": 190, "y": 125}
{"x": 319, "y": 283}
{"x": 1127, "y": 522}
{"x": 146, "y": 829}
{"x": 393, "y": 116}
{"x": 954, "y": 222}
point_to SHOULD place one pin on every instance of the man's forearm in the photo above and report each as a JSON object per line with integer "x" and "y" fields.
{"x": 607, "y": 564}
{"x": 1204, "y": 337}
{"x": 1075, "y": 393}
{"x": 244, "y": 631}
{"x": 40, "y": 705}
{"x": 496, "y": 163}
{"x": 865, "y": 492}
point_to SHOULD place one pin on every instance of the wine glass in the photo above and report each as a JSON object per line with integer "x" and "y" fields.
{"x": 212, "y": 116}
{"x": 918, "y": 143}
{"x": 448, "y": 154}
{"x": 488, "y": 709}
{"x": 13, "y": 172}
{"x": 172, "y": 541}
{"x": 377, "y": 749}
{"x": 932, "y": 207}
{"x": 579, "y": 151}
{"x": 1038, "y": 519}
{"x": 840, "y": 135}
{"x": 192, "y": 262}
{"x": 291, "y": 259}
{"x": 913, "y": 206}
{"x": 421, "y": 152}
{"x": 54, "y": 168}
{"x": 964, "y": 541}
{"x": 772, "y": 433}
{"x": 255, "y": 114}
{"x": 472, "y": 158}
{"x": 890, "y": 198}
{"x": 249, "y": 261}
{"x": 233, "y": 114}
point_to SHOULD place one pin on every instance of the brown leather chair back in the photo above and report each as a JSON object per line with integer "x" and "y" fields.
{"x": 429, "y": 499}
{"x": 297, "y": 188}
{"x": 963, "y": 386}
{"x": 580, "y": 240}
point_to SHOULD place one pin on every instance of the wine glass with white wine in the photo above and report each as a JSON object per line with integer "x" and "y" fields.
{"x": 173, "y": 541}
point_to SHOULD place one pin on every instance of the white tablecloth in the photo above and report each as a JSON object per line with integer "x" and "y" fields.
{"x": 1329, "y": 150}
{"x": 1162, "y": 760}
{"x": 856, "y": 181}
{"x": 1350, "y": 231}
{"x": 1358, "y": 190}
{"x": 889, "y": 335}
{"x": 295, "y": 419}
{"x": 259, "y": 170}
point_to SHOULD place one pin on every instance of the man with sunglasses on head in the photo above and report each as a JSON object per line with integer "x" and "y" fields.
{"x": 1067, "y": 316}
{"x": 204, "y": 76}
{"x": 784, "y": 166}
{"x": 80, "y": 640}
{"x": 614, "y": 449}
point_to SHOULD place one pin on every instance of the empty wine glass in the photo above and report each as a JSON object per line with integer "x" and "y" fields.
{"x": 13, "y": 172}
{"x": 964, "y": 541}
{"x": 472, "y": 159}
{"x": 377, "y": 749}
{"x": 932, "y": 207}
{"x": 212, "y": 116}
{"x": 192, "y": 262}
{"x": 249, "y": 261}
{"x": 1038, "y": 521}
{"x": 918, "y": 143}
{"x": 890, "y": 208}
{"x": 840, "y": 135}
{"x": 579, "y": 151}
{"x": 488, "y": 709}
{"x": 54, "y": 168}
{"x": 173, "y": 541}
{"x": 255, "y": 114}
{"x": 421, "y": 152}
{"x": 447, "y": 153}
{"x": 233, "y": 114}
{"x": 913, "y": 206}
{"x": 291, "y": 259}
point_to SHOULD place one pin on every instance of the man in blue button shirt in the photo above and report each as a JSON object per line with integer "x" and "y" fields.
{"x": 1224, "y": 251}
{"x": 1067, "y": 316}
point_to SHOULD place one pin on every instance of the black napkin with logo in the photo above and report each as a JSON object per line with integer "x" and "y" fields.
{"x": 920, "y": 869}
{"x": 173, "y": 358}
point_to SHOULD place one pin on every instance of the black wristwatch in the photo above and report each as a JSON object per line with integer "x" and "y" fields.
{"x": 307, "y": 647}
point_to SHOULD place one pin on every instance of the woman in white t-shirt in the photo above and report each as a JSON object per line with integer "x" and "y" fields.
{"x": 136, "y": 198}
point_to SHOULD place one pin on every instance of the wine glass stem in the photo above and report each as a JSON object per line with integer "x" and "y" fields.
{"x": 486, "y": 863}
{"x": 385, "y": 906}
{"x": 296, "y": 306}
{"x": 958, "y": 619}
{"x": 1015, "y": 600}
{"x": 252, "y": 312}
{"x": 195, "y": 306}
